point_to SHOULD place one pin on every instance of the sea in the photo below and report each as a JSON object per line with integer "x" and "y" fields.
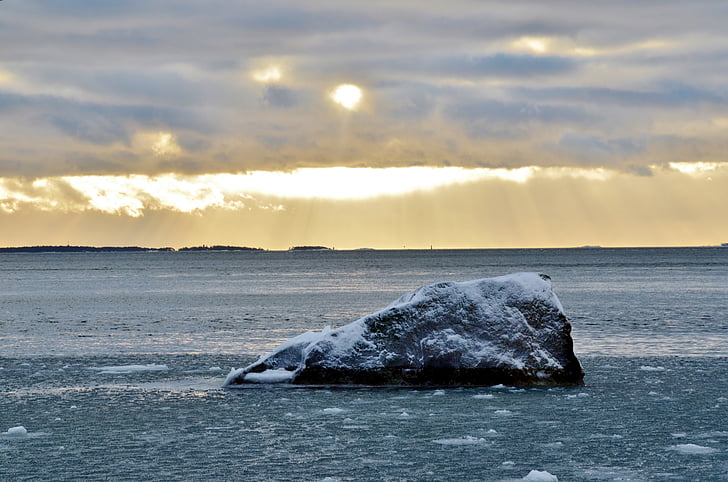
{"x": 112, "y": 366}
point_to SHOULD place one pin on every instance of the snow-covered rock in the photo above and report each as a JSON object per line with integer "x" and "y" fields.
{"x": 507, "y": 330}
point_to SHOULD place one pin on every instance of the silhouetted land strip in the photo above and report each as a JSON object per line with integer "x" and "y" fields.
{"x": 219, "y": 248}
{"x": 309, "y": 248}
{"x": 115, "y": 249}
{"x": 78, "y": 249}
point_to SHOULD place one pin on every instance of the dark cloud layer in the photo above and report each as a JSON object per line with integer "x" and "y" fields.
{"x": 626, "y": 85}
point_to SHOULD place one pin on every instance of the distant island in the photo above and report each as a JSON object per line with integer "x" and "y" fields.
{"x": 310, "y": 248}
{"x": 79, "y": 249}
{"x": 116, "y": 249}
{"x": 219, "y": 248}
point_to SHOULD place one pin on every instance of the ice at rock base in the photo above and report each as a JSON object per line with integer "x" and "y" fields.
{"x": 507, "y": 330}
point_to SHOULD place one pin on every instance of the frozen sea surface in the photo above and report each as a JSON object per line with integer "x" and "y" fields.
{"x": 111, "y": 367}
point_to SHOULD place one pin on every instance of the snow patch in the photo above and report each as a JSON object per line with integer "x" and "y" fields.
{"x": 280, "y": 375}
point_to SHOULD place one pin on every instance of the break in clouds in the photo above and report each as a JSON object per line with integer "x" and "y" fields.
{"x": 151, "y": 87}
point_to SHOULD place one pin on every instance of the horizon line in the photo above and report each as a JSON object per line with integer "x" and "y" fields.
{"x": 218, "y": 247}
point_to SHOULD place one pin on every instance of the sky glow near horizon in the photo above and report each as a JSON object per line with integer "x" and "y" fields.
{"x": 286, "y": 113}
{"x": 131, "y": 195}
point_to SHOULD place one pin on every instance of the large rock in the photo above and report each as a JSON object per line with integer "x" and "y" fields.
{"x": 510, "y": 330}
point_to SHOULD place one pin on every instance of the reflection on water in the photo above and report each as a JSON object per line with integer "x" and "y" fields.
{"x": 620, "y": 301}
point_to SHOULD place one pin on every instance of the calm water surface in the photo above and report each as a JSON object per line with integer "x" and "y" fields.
{"x": 113, "y": 363}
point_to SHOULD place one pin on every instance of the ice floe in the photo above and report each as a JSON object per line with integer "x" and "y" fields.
{"x": 540, "y": 476}
{"x": 467, "y": 440}
{"x": 18, "y": 431}
{"x": 333, "y": 410}
{"x": 484, "y": 396}
{"x": 125, "y": 369}
{"x": 693, "y": 449}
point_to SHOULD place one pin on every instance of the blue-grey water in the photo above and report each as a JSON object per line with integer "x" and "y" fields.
{"x": 113, "y": 362}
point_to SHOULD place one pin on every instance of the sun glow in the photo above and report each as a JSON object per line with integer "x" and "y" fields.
{"x": 162, "y": 144}
{"x": 537, "y": 45}
{"x": 347, "y": 95}
{"x": 6, "y": 77}
{"x": 268, "y": 74}
{"x": 697, "y": 169}
{"x": 132, "y": 195}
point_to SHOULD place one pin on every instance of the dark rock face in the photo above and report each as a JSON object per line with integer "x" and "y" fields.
{"x": 510, "y": 330}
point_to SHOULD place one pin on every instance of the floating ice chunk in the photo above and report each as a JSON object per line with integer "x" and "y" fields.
{"x": 280, "y": 375}
{"x": 125, "y": 369}
{"x": 333, "y": 410}
{"x": 438, "y": 392}
{"x": 541, "y": 476}
{"x": 467, "y": 440}
{"x": 647, "y": 368}
{"x": 18, "y": 431}
{"x": 693, "y": 449}
{"x": 503, "y": 412}
{"x": 484, "y": 396}
{"x": 215, "y": 369}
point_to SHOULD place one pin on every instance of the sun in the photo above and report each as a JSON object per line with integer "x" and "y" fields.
{"x": 347, "y": 96}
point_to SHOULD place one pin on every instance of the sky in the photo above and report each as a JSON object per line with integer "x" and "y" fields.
{"x": 459, "y": 124}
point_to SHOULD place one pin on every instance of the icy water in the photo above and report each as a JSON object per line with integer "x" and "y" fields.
{"x": 113, "y": 362}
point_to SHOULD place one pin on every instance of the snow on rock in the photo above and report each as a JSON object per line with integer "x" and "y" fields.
{"x": 540, "y": 476}
{"x": 507, "y": 330}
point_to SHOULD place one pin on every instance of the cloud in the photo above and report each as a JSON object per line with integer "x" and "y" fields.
{"x": 661, "y": 95}
{"x": 98, "y": 123}
{"x": 598, "y": 150}
{"x": 281, "y": 97}
{"x": 443, "y": 84}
